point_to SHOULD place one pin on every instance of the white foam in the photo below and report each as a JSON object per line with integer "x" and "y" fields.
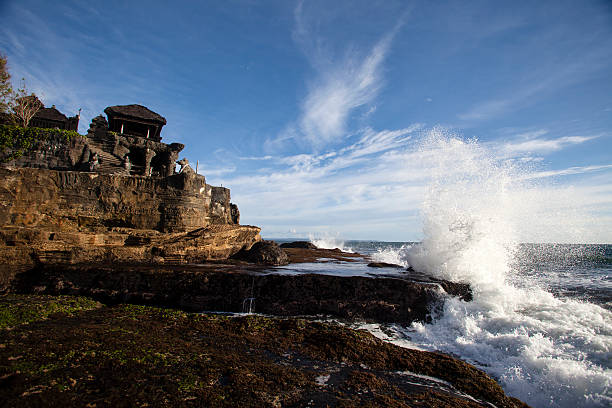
{"x": 391, "y": 255}
{"x": 543, "y": 350}
{"x": 329, "y": 242}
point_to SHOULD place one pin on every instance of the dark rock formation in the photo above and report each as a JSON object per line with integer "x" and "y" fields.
{"x": 383, "y": 265}
{"x": 462, "y": 290}
{"x": 235, "y": 213}
{"x": 225, "y": 288}
{"x": 264, "y": 253}
{"x": 299, "y": 244}
{"x": 141, "y": 356}
{"x": 300, "y": 255}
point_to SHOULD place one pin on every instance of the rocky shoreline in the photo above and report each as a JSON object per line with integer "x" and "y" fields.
{"x": 237, "y": 286}
{"x": 105, "y": 253}
{"x": 71, "y": 351}
{"x": 60, "y": 348}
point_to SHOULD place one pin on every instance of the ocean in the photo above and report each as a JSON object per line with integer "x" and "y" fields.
{"x": 540, "y": 322}
{"x": 543, "y": 330}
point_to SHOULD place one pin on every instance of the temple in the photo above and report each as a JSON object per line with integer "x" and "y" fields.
{"x": 120, "y": 160}
{"x": 135, "y": 120}
{"x": 53, "y": 119}
{"x": 128, "y": 142}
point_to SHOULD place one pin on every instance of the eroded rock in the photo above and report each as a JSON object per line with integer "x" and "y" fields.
{"x": 264, "y": 253}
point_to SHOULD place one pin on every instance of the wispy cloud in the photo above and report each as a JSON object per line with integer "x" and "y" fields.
{"x": 342, "y": 83}
{"x": 380, "y": 181}
{"x": 545, "y": 145}
{"x": 351, "y": 83}
{"x": 568, "y": 171}
{"x": 589, "y": 54}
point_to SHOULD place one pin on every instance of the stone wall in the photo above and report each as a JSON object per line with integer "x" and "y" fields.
{"x": 82, "y": 201}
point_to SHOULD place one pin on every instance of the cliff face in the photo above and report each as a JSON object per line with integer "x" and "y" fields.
{"x": 49, "y": 216}
{"x": 80, "y": 201}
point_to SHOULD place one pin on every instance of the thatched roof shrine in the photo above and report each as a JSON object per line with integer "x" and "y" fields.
{"x": 135, "y": 120}
{"x": 52, "y": 118}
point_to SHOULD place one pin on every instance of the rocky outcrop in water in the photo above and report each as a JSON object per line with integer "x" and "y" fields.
{"x": 49, "y": 216}
{"x": 82, "y": 201}
{"x": 264, "y": 253}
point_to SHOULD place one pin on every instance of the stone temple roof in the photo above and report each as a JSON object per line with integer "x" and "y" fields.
{"x": 136, "y": 112}
{"x": 50, "y": 114}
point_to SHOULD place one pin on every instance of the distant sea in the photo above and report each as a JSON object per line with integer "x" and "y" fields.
{"x": 540, "y": 324}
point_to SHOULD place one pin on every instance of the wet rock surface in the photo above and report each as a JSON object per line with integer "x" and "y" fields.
{"x": 264, "y": 253}
{"x": 301, "y": 255}
{"x": 384, "y": 265}
{"x": 226, "y": 288}
{"x": 73, "y": 352}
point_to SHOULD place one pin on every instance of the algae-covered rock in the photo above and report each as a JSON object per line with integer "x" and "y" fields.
{"x": 144, "y": 356}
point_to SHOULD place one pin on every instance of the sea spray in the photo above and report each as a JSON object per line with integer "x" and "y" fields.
{"x": 328, "y": 241}
{"x": 545, "y": 350}
{"x": 396, "y": 256}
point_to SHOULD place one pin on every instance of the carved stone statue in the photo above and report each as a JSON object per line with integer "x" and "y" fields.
{"x": 185, "y": 167}
{"x": 127, "y": 165}
{"x": 93, "y": 162}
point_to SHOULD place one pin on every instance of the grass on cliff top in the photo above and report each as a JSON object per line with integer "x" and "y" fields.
{"x": 75, "y": 352}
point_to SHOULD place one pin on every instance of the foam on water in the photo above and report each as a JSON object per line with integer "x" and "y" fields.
{"x": 544, "y": 350}
{"x": 329, "y": 242}
{"x": 391, "y": 255}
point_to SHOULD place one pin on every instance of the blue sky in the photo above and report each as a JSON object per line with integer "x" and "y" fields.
{"x": 314, "y": 112}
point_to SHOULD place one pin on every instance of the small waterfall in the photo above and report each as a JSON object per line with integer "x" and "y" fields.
{"x": 248, "y": 305}
{"x": 250, "y": 301}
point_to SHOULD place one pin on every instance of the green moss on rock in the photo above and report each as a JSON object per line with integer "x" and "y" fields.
{"x": 21, "y": 309}
{"x": 74, "y": 353}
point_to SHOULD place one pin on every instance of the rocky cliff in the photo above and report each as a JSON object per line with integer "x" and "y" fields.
{"x": 87, "y": 201}
{"x": 50, "y": 216}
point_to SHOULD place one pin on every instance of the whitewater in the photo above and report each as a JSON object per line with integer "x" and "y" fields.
{"x": 540, "y": 322}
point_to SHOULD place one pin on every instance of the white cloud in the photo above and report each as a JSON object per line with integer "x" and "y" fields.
{"x": 346, "y": 86}
{"x": 568, "y": 171}
{"x": 374, "y": 189}
{"x": 208, "y": 171}
{"x": 545, "y": 145}
{"x": 342, "y": 83}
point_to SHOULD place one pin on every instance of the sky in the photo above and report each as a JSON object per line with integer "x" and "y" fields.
{"x": 319, "y": 115}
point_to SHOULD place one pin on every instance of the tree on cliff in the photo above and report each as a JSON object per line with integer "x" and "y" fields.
{"x": 18, "y": 104}
{"x": 16, "y": 108}
{"x": 25, "y": 106}
{"x": 6, "y": 90}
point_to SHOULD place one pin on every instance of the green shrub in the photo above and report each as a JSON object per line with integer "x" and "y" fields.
{"x": 15, "y": 141}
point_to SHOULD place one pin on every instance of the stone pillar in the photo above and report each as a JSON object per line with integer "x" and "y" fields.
{"x": 149, "y": 154}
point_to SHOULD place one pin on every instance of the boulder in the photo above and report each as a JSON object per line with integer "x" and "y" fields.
{"x": 264, "y": 253}
{"x": 299, "y": 244}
